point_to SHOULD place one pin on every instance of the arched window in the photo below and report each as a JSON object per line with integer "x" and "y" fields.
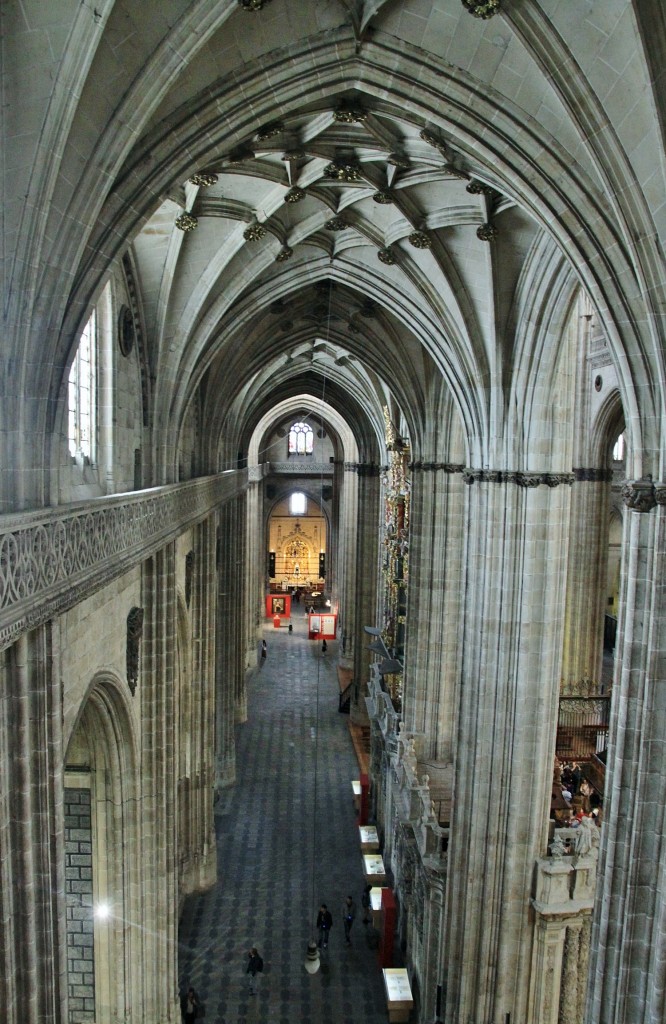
{"x": 301, "y": 439}
{"x": 619, "y": 449}
{"x": 298, "y": 503}
{"x": 82, "y": 394}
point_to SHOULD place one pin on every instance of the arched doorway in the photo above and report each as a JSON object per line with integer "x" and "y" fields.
{"x": 101, "y": 843}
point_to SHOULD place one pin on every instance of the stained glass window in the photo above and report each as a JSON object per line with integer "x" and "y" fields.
{"x": 301, "y": 439}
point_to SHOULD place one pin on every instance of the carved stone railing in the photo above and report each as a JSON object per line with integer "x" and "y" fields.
{"x": 51, "y": 559}
{"x": 303, "y": 468}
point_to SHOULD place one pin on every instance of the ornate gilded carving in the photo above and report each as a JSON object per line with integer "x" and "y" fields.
{"x": 478, "y": 188}
{"x": 336, "y": 224}
{"x": 349, "y": 115}
{"x": 387, "y": 256}
{"x": 433, "y": 141}
{"x": 134, "y": 631}
{"x": 270, "y": 130}
{"x": 384, "y": 197}
{"x": 343, "y": 170}
{"x": 398, "y": 160}
{"x": 487, "y": 232}
{"x": 284, "y": 254}
{"x": 252, "y": 5}
{"x": 254, "y": 232}
{"x": 294, "y": 154}
{"x": 295, "y": 195}
{"x": 420, "y": 240}
{"x": 203, "y": 179}
{"x": 639, "y": 495}
{"x": 186, "y": 222}
{"x": 482, "y": 8}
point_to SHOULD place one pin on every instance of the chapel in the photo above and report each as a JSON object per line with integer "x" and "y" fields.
{"x": 352, "y": 310}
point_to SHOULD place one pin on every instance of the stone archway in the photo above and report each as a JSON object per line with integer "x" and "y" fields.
{"x": 101, "y": 847}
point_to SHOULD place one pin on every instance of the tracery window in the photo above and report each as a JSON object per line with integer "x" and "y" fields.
{"x": 297, "y": 503}
{"x": 82, "y": 394}
{"x": 301, "y": 439}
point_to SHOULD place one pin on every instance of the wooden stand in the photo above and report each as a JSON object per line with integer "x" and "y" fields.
{"x": 356, "y": 790}
{"x": 369, "y": 838}
{"x": 399, "y": 999}
{"x": 373, "y": 869}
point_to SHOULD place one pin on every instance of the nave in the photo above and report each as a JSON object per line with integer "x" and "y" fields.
{"x": 263, "y": 896}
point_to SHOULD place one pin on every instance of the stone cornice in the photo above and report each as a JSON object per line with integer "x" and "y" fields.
{"x": 522, "y": 478}
{"x": 519, "y": 477}
{"x": 444, "y": 467}
{"x": 593, "y": 475}
{"x": 363, "y": 468}
{"x": 51, "y": 559}
{"x": 303, "y": 468}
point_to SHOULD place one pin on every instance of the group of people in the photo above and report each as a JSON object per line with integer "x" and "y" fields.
{"x": 190, "y": 1003}
{"x": 191, "y": 1006}
{"x": 348, "y": 914}
{"x": 580, "y": 798}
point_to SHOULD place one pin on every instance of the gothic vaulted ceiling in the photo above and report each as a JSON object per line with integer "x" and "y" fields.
{"x": 370, "y": 201}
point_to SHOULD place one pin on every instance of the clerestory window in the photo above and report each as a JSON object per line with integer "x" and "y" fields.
{"x": 619, "y": 449}
{"x": 297, "y": 504}
{"x": 301, "y": 439}
{"x": 82, "y": 394}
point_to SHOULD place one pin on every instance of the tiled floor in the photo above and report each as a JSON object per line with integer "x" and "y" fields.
{"x": 266, "y": 895}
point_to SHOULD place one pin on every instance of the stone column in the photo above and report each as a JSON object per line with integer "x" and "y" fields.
{"x": 33, "y": 973}
{"x": 158, "y": 774}
{"x": 586, "y": 582}
{"x": 229, "y": 652}
{"x": 436, "y": 548}
{"x": 365, "y": 608}
{"x": 629, "y": 934}
{"x": 204, "y": 617}
{"x": 517, "y": 525}
{"x": 347, "y": 542}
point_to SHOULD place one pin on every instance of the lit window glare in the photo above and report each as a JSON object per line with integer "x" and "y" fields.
{"x": 81, "y": 394}
{"x": 297, "y": 504}
{"x": 619, "y": 449}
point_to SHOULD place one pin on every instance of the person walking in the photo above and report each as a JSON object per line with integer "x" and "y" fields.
{"x": 324, "y": 647}
{"x": 324, "y": 925}
{"x": 348, "y": 915}
{"x": 365, "y": 903}
{"x": 255, "y": 966}
{"x": 264, "y": 652}
{"x": 190, "y": 1006}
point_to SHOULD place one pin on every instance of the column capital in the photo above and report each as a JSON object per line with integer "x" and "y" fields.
{"x": 641, "y": 495}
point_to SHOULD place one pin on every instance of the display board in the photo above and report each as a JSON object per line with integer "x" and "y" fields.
{"x": 322, "y": 626}
{"x": 278, "y": 604}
